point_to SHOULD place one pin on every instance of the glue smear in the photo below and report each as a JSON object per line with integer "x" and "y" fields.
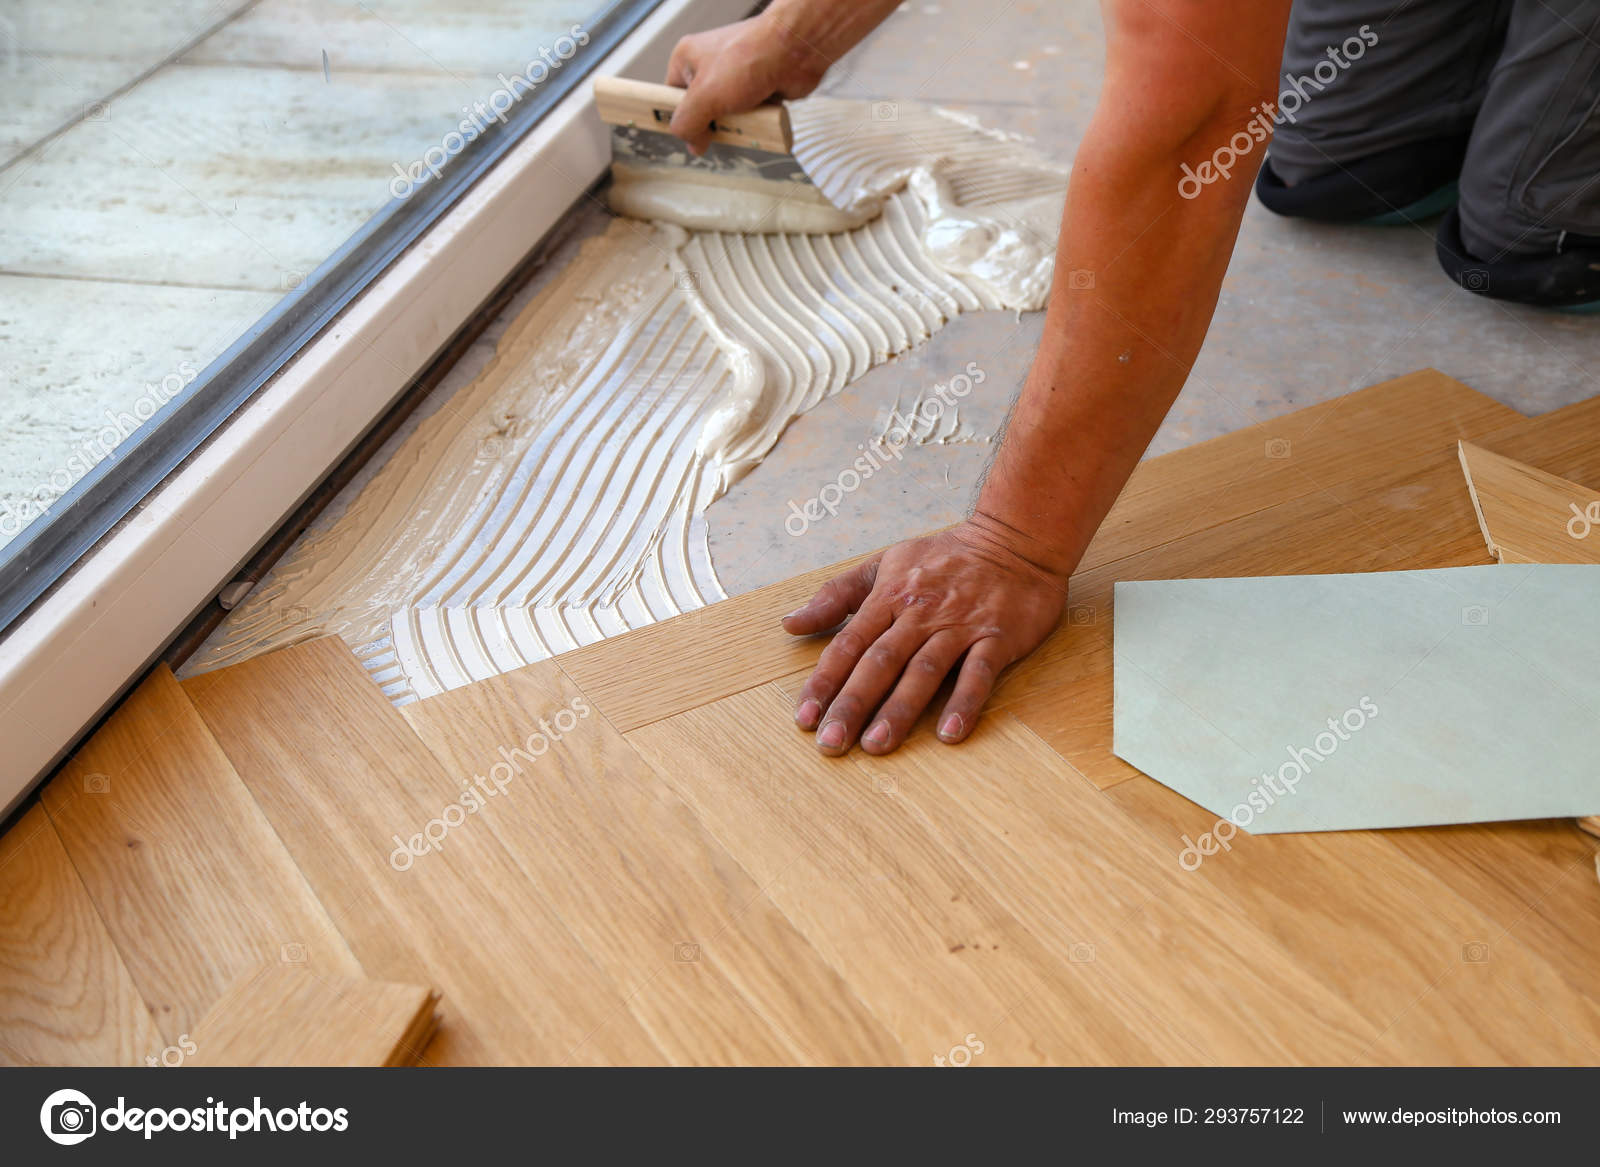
{"x": 560, "y": 497}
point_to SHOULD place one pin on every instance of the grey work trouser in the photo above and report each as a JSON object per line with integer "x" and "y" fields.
{"x": 1521, "y": 76}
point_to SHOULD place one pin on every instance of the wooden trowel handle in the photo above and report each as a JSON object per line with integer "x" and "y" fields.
{"x": 622, "y": 102}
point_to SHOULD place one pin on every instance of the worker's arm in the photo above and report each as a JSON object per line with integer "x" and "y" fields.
{"x": 783, "y": 52}
{"x": 1182, "y": 78}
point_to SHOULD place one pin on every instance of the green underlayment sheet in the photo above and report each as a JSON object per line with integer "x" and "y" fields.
{"x": 1389, "y": 699}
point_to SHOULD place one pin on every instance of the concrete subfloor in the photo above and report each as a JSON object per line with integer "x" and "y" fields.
{"x": 169, "y": 171}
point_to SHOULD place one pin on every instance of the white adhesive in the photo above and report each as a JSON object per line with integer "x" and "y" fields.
{"x": 701, "y": 202}
{"x": 560, "y": 497}
{"x": 1010, "y": 247}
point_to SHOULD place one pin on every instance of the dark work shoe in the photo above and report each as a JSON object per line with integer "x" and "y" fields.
{"x": 1568, "y": 280}
{"x": 1404, "y": 185}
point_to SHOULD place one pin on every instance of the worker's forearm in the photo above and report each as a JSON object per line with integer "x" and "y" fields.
{"x": 1137, "y": 276}
{"x": 822, "y": 31}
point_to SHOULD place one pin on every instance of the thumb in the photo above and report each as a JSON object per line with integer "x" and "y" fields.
{"x": 835, "y": 600}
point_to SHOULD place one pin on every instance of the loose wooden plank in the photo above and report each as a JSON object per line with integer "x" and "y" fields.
{"x": 182, "y": 865}
{"x": 346, "y": 783}
{"x": 66, "y": 998}
{"x": 640, "y": 677}
{"x": 286, "y": 1015}
{"x": 1528, "y": 516}
{"x": 918, "y": 933}
{"x": 1561, "y": 442}
{"x": 715, "y": 971}
{"x": 1337, "y": 450}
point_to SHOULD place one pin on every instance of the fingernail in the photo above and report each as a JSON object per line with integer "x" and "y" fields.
{"x": 878, "y": 736}
{"x": 792, "y": 615}
{"x": 951, "y": 729}
{"x": 808, "y": 713}
{"x": 831, "y": 736}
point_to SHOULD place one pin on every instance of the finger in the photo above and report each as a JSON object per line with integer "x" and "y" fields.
{"x": 979, "y": 673}
{"x": 680, "y": 70}
{"x": 835, "y": 600}
{"x": 700, "y": 106}
{"x": 839, "y": 659}
{"x": 875, "y": 673}
{"x": 919, "y": 681}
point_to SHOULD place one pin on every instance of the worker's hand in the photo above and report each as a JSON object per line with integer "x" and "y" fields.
{"x": 735, "y": 68}
{"x": 920, "y": 607}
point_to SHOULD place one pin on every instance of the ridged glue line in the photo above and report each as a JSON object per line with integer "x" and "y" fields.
{"x": 608, "y": 452}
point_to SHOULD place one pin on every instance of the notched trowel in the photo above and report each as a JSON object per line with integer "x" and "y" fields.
{"x": 747, "y": 180}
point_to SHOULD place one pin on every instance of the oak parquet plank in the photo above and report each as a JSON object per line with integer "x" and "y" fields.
{"x": 341, "y": 776}
{"x": 712, "y": 966}
{"x": 66, "y": 998}
{"x": 915, "y": 930}
{"x": 191, "y": 881}
{"x": 286, "y": 1015}
{"x": 1379, "y": 926}
{"x": 1527, "y": 515}
{"x": 1095, "y": 886}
